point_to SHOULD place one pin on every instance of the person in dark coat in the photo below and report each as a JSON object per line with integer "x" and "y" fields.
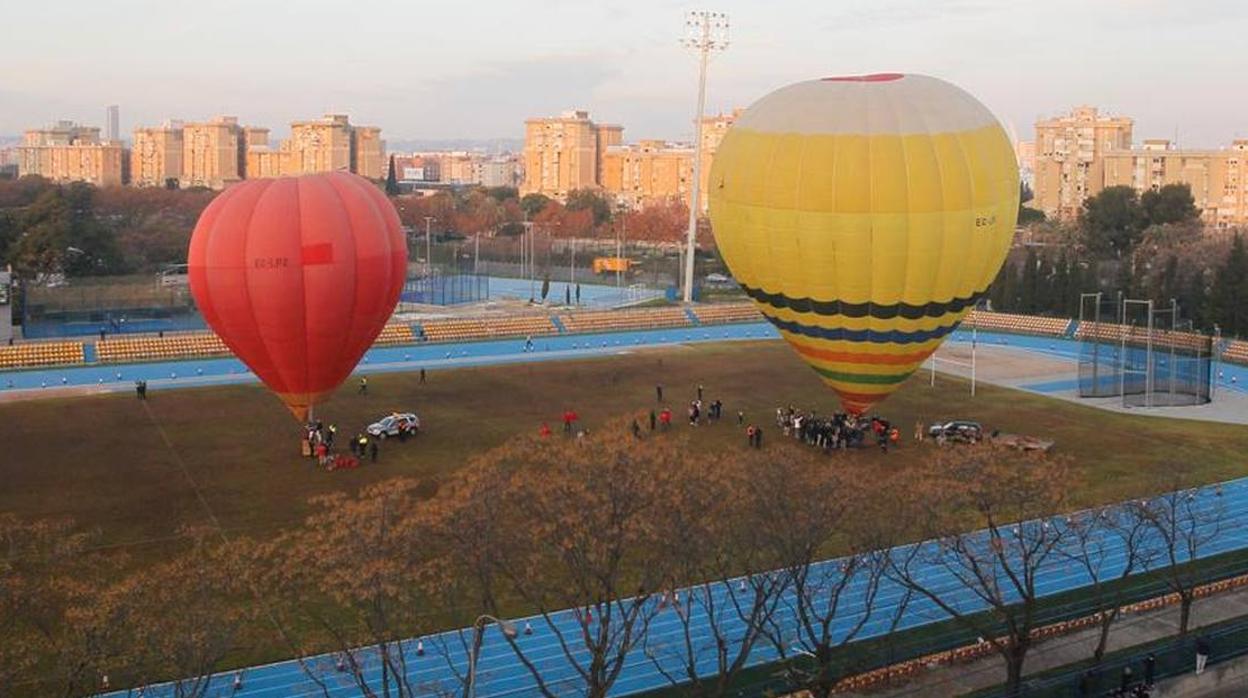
{"x": 372, "y": 450}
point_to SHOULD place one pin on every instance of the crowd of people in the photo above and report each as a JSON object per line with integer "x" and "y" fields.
{"x": 839, "y": 431}
{"x": 321, "y": 439}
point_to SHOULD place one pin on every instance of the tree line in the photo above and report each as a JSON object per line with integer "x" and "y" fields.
{"x": 622, "y": 550}
{"x": 76, "y": 229}
{"x": 1149, "y": 247}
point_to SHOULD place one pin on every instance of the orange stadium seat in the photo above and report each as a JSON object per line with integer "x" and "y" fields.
{"x": 147, "y": 347}
{"x": 1236, "y": 351}
{"x": 1022, "y": 324}
{"x": 620, "y": 320}
{"x": 41, "y": 354}
{"x": 726, "y": 313}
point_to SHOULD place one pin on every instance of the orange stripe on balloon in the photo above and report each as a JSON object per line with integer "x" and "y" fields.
{"x": 860, "y": 358}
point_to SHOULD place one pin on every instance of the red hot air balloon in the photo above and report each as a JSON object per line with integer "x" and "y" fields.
{"x": 298, "y": 275}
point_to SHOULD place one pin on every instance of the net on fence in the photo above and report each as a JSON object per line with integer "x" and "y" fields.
{"x": 111, "y": 305}
{"x": 446, "y": 289}
{"x": 1144, "y": 355}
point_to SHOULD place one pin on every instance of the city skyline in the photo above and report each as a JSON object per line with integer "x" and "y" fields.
{"x": 619, "y": 61}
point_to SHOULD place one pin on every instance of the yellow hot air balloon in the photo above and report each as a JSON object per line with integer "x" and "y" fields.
{"x": 865, "y": 215}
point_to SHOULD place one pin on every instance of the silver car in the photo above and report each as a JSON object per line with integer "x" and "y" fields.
{"x": 393, "y": 424}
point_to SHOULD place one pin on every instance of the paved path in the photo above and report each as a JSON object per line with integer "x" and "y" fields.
{"x": 1130, "y": 630}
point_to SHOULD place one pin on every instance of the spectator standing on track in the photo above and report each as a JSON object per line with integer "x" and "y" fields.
{"x": 363, "y": 385}
{"x": 528, "y": 343}
{"x": 758, "y": 437}
{"x": 1150, "y": 669}
{"x": 665, "y": 418}
{"x": 740, "y": 417}
{"x": 422, "y": 375}
{"x": 1126, "y": 679}
{"x": 362, "y": 441}
{"x": 749, "y": 435}
{"x": 658, "y": 390}
{"x": 652, "y": 420}
{"x": 578, "y": 294}
{"x": 1203, "y": 649}
{"x": 329, "y": 435}
{"x": 699, "y": 392}
{"x": 636, "y": 429}
{"x": 372, "y": 450}
{"x": 918, "y": 430}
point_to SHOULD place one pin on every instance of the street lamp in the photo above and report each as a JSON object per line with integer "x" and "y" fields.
{"x": 704, "y": 32}
{"x": 428, "y": 245}
{"x": 478, "y": 630}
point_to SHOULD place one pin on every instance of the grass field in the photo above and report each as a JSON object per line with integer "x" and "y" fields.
{"x": 125, "y": 467}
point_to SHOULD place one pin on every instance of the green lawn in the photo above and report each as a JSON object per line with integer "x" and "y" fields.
{"x": 104, "y": 461}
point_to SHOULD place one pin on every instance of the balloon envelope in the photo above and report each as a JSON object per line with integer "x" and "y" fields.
{"x": 865, "y": 216}
{"x": 298, "y": 276}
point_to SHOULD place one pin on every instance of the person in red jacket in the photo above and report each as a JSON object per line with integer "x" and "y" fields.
{"x": 544, "y": 431}
{"x": 568, "y": 417}
{"x": 665, "y": 418}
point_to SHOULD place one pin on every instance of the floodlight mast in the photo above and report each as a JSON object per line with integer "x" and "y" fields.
{"x": 704, "y": 32}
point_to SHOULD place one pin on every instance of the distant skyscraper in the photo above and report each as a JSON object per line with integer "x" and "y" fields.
{"x": 113, "y": 132}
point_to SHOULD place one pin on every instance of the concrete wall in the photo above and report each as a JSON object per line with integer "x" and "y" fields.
{"x": 1229, "y": 678}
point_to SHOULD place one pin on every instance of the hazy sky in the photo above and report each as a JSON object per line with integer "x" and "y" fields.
{"x": 478, "y": 68}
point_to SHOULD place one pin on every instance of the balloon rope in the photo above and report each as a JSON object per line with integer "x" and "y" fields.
{"x": 216, "y": 524}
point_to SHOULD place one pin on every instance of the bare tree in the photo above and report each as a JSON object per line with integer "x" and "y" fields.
{"x": 717, "y": 523}
{"x": 180, "y": 618}
{"x": 1107, "y": 545}
{"x": 986, "y": 580}
{"x": 827, "y": 603}
{"x": 50, "y": 576}
{"x": 1186, "y": 524}
{"x": 353, "y": 575}
{"x": 576, "y": 530}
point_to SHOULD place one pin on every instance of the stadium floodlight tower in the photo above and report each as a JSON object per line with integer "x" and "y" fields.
{"x": 704, "y": 32}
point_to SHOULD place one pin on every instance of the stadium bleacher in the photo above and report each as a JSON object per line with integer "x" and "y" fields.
{"x": 183, "y": 345}
{"x": 395, "y": 334}
{"x": 614, "y": 320}
{"x": 146, "y": 347}
{"x": 1236, "y": 351}
{"x": 1021, "y": 324}
{"x": 41, "y": 354}
{"x": 727, "y": 313}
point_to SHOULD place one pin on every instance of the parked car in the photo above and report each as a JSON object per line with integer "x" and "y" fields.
{"x": 718, "y": 279}
{"x": 393, "y": 424}
{"x": 957, "y": 430}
